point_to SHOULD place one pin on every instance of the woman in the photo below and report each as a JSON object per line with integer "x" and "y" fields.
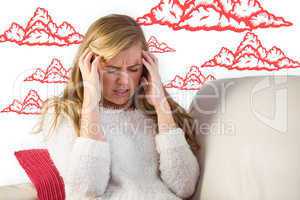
{"x": 115, "y": 133}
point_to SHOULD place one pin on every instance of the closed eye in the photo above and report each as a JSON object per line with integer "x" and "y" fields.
{"x": 136, "y": 68}
{"x": 113, "y": 69}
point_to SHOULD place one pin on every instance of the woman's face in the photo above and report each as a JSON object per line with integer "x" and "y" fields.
{"x": 120, "y": 76}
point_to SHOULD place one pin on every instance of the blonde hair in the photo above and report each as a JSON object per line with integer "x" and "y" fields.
{"x": 107, "y": 37}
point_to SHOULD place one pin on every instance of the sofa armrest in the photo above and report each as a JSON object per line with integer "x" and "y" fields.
{"x": 23, "y": 191}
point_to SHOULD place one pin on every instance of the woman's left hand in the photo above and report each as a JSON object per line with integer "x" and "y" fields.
{"x": 152, "y": 84}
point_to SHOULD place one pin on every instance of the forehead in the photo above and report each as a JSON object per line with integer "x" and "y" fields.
{"x": 130, "y": 56}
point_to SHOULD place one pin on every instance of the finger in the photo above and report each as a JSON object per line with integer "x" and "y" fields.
{"x": 149, "y": 68}
{"x": 81, "y": 63}
{"x": 148, "y": 58}
{"x": 87, "y": 60}
{"x": 146, "y": 64}
{"x": 94, "y": 68}
{"x": 150, "y": 54}
{"x": 153, "y": 57}
{"x": 83, "y": 55}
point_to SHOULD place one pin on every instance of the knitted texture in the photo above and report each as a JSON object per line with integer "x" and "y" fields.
{"x": 42, "y": 172}
{"x": 135, "y": 162}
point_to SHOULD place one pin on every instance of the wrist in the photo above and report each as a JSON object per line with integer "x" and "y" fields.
{"x": 163, "y": 107}
{"x": 89, "y": 105}
{"x": 165, "y": 118}
{"x": 91, "y": 95}
{"x": 90, "y": 125}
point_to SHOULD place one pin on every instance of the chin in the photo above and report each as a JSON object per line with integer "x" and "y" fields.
{"x": 118, "y": 101}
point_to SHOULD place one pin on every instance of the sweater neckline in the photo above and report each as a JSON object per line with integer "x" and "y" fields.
{"x": 117, "y": 110}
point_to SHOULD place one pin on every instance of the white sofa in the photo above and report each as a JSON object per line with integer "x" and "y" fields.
{"x": 25, "y": 191}
{"x": 249, "y": 130}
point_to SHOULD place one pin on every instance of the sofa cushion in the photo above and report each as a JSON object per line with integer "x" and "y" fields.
{"x": 249, "y": 131}
{"x": 24, "y": 191}
{"x": 42, "y": 172}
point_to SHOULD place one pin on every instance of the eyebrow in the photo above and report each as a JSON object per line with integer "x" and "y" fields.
{"x": 112, "y": 66}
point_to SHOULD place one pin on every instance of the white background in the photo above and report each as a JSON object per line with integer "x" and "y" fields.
{"x": 192, "y": 48}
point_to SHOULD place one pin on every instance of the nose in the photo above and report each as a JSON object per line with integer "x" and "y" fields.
{"x": 123, "y": 78}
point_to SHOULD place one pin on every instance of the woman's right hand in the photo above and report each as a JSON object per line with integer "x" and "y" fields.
{"x": 90, "y": 77}
{"x": 90, "y": 117}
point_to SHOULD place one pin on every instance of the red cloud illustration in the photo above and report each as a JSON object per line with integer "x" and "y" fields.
{"x": 193, "y": 80}
{"x": 156, "y": 47}
{"x": 54, "y": 73}
{"x": 31, "y": 104}
{"x": 251, "y": 55}
{"x": 218, "y": 15}
{"x": 41, "y": 30}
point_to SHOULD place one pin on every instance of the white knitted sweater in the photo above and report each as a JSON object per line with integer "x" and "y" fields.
{"x": 135, "y": 163}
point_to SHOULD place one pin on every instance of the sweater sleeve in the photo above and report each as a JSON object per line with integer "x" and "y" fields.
{"x": 83, "y": 163}
{"x": 179, "y": 168}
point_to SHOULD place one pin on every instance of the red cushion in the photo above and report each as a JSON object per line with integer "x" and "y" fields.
{"x": 42, "y": 172}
